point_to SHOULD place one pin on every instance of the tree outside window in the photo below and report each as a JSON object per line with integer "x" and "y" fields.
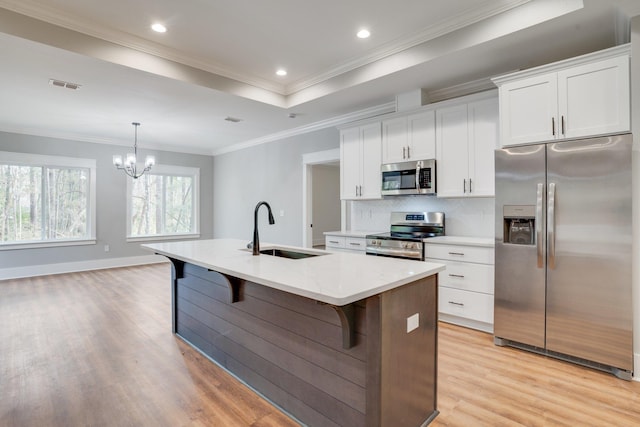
{"x": 45, "y": 199}
{"x": 164, "y": 203}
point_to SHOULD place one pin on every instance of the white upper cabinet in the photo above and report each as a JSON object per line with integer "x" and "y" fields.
{"x": 422, "y": 135}
{"x": 394, "y": 140}
{"x": 483, "y": 141}
{"x": 594, "y": 99}
{"x": 371, "y": 183}
{"x": 528, "y": 110}
{"x": 584, "y": 96}
{"x": 410, "y": 137}
{"x": 350, "y": 159}
{"x": 360, "y": 161}
{"x": 452, "y": 162}
{"x": 467, "y": 136}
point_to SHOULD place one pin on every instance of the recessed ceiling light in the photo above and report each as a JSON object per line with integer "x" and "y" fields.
{"x": 159, "y": 28}
{"x": 363, "y": 33}
{"x": 281, "y": 72}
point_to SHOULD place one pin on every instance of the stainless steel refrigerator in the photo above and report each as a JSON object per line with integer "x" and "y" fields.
{"x": 563, "y": 251}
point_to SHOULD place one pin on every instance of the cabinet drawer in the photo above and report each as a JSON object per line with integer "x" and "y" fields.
{"x": 356, "y": 243}
{"x": 335, "y": 241}
{"x": 477, "y": 254}
{"x": 470, "y": 305}
{"x": 467, "y": 276}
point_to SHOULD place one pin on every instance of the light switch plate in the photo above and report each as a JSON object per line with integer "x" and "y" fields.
{"x": 413, "y": 322}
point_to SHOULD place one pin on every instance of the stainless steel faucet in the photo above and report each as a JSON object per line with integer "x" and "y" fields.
{"x": 256, "y": 239}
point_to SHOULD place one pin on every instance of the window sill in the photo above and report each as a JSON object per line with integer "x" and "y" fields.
{"x": 161, "y": 238}
{"x": 51, "y": 244}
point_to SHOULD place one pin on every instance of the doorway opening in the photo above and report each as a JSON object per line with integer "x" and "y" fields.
{"x": 322, "y": 209}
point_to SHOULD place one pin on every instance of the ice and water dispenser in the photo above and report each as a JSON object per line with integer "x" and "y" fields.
{"x": 519, "y": 224}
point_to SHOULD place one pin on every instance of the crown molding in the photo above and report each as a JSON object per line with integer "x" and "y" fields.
{"x": 322, "y": 124}
{"x": 488, "y": 10}
{"x": 90, "y": 28}
{"x": 468, "y": 88}
{"x": 69, "y": 136}
{"x": 600, "y": 55}
{"x": 51, "y": 15}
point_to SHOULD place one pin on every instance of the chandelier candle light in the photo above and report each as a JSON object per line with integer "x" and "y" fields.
{"x": 130, "y": 166}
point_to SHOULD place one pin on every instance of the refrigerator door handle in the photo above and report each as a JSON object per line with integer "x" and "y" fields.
{"x": 551, "y": 226}
{"x": 539, "y": 240}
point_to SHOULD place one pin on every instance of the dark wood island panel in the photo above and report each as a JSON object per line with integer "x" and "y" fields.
{"x": 290, "y": 348}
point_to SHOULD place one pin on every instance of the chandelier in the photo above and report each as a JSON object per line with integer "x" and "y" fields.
{"x": 130, "y": 166}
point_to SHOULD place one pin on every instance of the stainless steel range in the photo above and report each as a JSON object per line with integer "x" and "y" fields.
{"x": 408, "y": 232}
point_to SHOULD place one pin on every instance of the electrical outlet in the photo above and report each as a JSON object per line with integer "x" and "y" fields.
{"x": 413, "y": 322}
{"x": 281, "y": 213}
{"x": 106, "y": 248}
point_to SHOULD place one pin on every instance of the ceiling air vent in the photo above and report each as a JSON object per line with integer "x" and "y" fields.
{"x": 61, "y": 83}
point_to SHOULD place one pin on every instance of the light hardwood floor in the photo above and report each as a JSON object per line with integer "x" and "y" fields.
{"x": 96, "y": 349}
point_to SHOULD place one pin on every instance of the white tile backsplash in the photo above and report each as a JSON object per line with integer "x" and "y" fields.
{"x": 463, "y": 217}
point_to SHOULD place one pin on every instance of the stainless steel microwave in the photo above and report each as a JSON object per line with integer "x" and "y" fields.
{"x": 417, "y": 177}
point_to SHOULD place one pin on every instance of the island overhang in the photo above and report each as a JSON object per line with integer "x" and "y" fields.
{"x": 333, "y": 278}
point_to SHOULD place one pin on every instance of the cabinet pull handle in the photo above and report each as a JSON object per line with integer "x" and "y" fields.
{"x": 333, "y": 241}
{"x": 470, "y": 185}
{"x": 551, "y": 226}
{"x": 356, "y": 191}
{"x": 354, "y": 244}
{"x": 464, "y": 185}
{"x": 538, "y": 219}
{"x": 360, "y": 186}
{"x": 408, "y": 152}
{"x": 404, "y": 152}
{"x": 563, "y": 130}
{"x": 456, "y": 253}
{"x": 553, "y": 126}
{"x": 457, "y": 275}
{"x": 456, "y": 303}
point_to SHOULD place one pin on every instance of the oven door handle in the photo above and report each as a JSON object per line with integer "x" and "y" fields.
{"x": 393, "y": 252}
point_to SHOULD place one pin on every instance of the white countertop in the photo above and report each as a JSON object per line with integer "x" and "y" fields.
{"x": 488, "y": 242}
{"x": 333, "y": 278}
{"x": 351, "y": 233}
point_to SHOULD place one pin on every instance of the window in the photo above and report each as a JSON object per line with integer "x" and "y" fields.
{"x": 164, "y": 203}
{"x": 46, "y": 200}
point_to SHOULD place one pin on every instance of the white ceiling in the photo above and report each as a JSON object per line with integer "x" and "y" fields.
{"x": 219, "y": 58}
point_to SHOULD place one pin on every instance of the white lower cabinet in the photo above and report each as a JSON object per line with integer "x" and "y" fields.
{"x": 343, "y": 243}
{"x": 466, "y": 305}
{"x": 465, "y": 288}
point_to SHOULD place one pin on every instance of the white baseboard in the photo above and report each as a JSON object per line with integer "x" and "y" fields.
{"x": 467, "y": 323}
{"x": 636, "y": 367}
{"x": 71, "y": 267}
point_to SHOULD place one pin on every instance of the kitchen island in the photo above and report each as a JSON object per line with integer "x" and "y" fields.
{"x": 334, "y": 339}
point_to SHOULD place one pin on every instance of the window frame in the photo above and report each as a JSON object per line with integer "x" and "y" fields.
{"x": 168, "y": 170}
{"x": 46, "y": 161}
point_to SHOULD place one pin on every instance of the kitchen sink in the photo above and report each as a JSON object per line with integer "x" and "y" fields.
{"x": 286, "y": 253}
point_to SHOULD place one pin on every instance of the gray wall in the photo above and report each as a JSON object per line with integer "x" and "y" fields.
{"x": 271, "y": 172}
{"x": 110, "y": 199}
{"x": 326, "y": 201}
